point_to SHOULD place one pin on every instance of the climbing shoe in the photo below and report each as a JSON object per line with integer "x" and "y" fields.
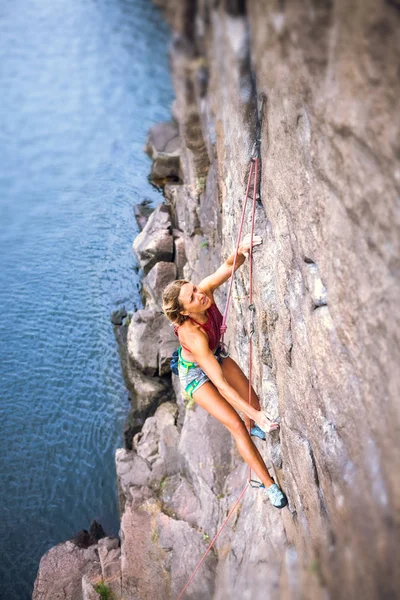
{"x": 258, "y": 432}
{"x": 276, "y": 496}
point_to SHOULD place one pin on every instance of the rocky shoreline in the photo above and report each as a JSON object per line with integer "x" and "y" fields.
{"x": 326, "y": 279}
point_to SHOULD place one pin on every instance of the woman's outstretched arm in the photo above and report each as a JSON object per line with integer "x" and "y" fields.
{"x": 223, "y": 273}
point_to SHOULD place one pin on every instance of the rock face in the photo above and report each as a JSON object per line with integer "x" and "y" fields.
{"x": 146, "y": 392}
{"x": 155, "y": 242}
{"x": 67, "y": 571}
{"x": 161, "y": 512}
{"x": 326, "y": 277}
{"x": 151, "y": 342}
{"x": 158, "y": 278}
{"x": 326, "y": 288}
{"x": 163, "y": 146}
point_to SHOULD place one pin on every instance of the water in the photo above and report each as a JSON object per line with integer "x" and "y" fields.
{"x": 81, "y": 82}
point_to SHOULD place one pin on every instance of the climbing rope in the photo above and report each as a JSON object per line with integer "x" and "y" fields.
{"x": 254, "y": 167}
{"x": 228, "y": 299}
{"x": 213, "y": 542}
{"x": 253, "y": 173}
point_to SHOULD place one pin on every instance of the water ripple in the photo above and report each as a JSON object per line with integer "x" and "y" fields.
{"x": 81, "y": 82}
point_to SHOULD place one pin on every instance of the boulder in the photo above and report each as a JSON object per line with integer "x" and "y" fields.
{"x": 85, "y": 538}
{"x": 184, "y": 210}
{"x": 157, "y": 443}
{"x": 110, "y": 559}
{"x": 155, "y": 242}
{"x": 180, "y": 500}
{"x": 142, "y": 212}
{"x": 179, "y": 252}
{"x": 118, "y": 316}
{"x": 143, "y": 340}
{"x": 156, "y": 280}
{"x": 177, "y": 390}
{"x": 151, "y": 342}
{"x": 166, "y": 169}
{"x": 185, "y": 546}
{"x": 143, "y": 561}
{"x": 163, "y": 138}
{"x": 163, "y": 147}
{"x": 146, "y": 441}
{"x": 205, "y": 449}
{"x": 89, "y": 585}
{"x": 61, "y": 571}
{"x": 133, "y": 423}
{"x": 152, "y": 561}
{"x": 145, "y": 391}
{"x": 148, "y": 392}
{"x": 132, "y": 470}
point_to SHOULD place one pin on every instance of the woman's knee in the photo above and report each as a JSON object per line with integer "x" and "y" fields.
{"x": 237, "y": 428}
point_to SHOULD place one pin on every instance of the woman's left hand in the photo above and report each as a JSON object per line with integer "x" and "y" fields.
{"x": 246, "y": 243}
{"x": 265, "y": 423}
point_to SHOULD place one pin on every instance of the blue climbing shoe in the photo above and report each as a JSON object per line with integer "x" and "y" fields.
{"x": 276, "y": 496}
{"x": 258, "y": 432}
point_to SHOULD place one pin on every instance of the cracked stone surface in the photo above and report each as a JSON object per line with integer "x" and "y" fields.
{"x": 326, "y": 288}
{"x": 61, "y": 570}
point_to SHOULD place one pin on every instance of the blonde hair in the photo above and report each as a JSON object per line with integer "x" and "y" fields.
{"x": 171, "y": 306}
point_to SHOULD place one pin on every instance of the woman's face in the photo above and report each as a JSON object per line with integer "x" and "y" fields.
{"x": 193, "y": 299}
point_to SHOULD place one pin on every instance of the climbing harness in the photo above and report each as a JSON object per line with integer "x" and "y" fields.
{"x": 185, "y": 364}
{"x": 252, "y": 179}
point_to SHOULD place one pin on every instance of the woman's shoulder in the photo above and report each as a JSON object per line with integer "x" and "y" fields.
{"x": 187, "y": 330}
{"x": 188, "y": 326}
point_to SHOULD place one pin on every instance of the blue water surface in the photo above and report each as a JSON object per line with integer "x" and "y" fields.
{"x": 81, "y": 82}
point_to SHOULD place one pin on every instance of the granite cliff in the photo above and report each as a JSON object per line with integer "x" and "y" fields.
{"x": 326, "y": 290}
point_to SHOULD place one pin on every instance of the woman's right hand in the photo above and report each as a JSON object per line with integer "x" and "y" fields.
{"x": 264, "y": 422}
{"x": 246, "y": 243}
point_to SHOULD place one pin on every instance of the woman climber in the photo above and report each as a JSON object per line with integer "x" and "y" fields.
{"x": 207, "y": 373}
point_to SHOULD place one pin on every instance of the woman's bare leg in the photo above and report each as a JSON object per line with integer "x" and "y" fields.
{"x": 208, "y": 397}
{"x": 238, "y": 380}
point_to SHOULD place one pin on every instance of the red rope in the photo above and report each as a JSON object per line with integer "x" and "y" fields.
{"x": 228, "y": 299}
{"x": 253, "y": 169}
{"x": 213, "y": 541}
{"x": 251, "y": 283}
